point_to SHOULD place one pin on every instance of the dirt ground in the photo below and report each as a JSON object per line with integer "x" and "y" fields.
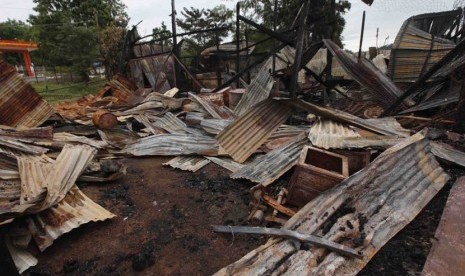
{"x": 162, "y": 225}
{"x": 163, "y": 228}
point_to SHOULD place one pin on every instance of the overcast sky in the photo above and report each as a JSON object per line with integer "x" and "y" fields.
{"x": 387, "y": 15}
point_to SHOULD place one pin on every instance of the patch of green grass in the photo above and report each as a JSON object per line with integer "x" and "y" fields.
{"x": 56, "y": 92}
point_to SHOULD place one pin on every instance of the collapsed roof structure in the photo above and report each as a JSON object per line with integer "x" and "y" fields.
{"x": 383, "y": 170}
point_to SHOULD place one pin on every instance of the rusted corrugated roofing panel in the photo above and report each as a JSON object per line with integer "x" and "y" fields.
{"x": 378, "y": 202}
{"x": 269, "y": 167}
{"x": 73, "y": 211}
{"x": 187, "y": 163}
{"x": 32, "y": 171}
{"x": 415, "y": 52}
{"x": 282, "y": 136}
{"x": 364, "y": 72}
{"x": 173, "y": 144}
{"x": 39, "y": 133}
{"x": 330, "y": 135}
{"x": 447, "y": 253}
{"x": 42, "y": 185}
{"x": 421, "y": 42}
{"x": 248, "y": 132}
{"x": 20, "y": 105}
{"x": 260, "y": 87}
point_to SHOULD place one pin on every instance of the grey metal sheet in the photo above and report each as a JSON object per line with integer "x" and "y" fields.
{"x": 267, "y": 168}
{"x": 187, "y": 163}
{"x": 173, "y": 145}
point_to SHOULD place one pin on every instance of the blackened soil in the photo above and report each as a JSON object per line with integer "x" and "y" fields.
{"x": 162, "y": 226}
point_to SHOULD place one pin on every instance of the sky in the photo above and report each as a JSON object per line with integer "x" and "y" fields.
{"x": 387, "y": 15}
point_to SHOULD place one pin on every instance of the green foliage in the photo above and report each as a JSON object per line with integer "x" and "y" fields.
{"x": 14, "y": 29}
{"x": 111, "y": 47}
{"x": 318, "y": 19}
{"x": 67, "y": 30}
{"x": 201, "y": 19}
{"x": 161, "y": 33}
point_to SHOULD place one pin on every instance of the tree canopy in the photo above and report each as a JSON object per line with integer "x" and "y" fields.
{"x": 70, "y": 31}
{"x": 15, "y": 29}
{"x": 319, "y": 17}
{"x": 202, "y": 19}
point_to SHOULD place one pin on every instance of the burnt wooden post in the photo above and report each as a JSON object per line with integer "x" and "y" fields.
{"x": 275, "y": 8}
{"x": 238, "y": 36}
{"x": 299, "y": 50}
{"x": 175, "y": 41}
{"x": 218, "y": 59}
{"x": 329, "y": 56}
{"x": 361, "y": 37}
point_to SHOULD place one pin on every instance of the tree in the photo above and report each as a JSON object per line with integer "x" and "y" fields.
{"x": 319, "y": 17}
{"x": 161, "y": 35}
{"x": 15, "y": 29}
{"x": 201, "y": 19}
{"x": 68, "y": 30}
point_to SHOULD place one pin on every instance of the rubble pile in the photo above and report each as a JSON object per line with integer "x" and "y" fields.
{"x": 357, "y": 178}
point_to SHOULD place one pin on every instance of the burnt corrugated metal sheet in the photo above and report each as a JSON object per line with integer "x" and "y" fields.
{"x": 73, "y": 211}
{"x": 420, "y": 44}
{"x": 382, "y": 199}
{"x": 330, "y": 135}
{"x": 173, "y": 144}
{"x": 448, "y": 251}
{"x": 364, "y": 72}
{"x": 20, "y": 105}
{"x": 17, "y": 240}
{"x": 214, "y": 126}
{"x": 217, "y": 112}
{"x": 10, "y": 194}
{"x": 346, "y": 118}
{"x": 414, "y": 52}
{"x": 14, "y": 144}
{"x": 226, "y": 163}
{"x": 44, "y": 184}
{"x": 260, "y": 87}
{"x": 174, "y": 125}
{"x": 39, "y": 133}
{"x": 187, "y": 163}
{"x": 248, "y": 132}
{"x": 158, "y": 70}
{"x": 267, "y": 168}
{"x": 445, "y": 152}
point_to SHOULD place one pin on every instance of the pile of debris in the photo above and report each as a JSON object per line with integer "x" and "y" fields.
{"x": 356, "y": 181}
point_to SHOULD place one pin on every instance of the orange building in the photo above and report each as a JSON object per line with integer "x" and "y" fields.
{"x": 22, "y": 47}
